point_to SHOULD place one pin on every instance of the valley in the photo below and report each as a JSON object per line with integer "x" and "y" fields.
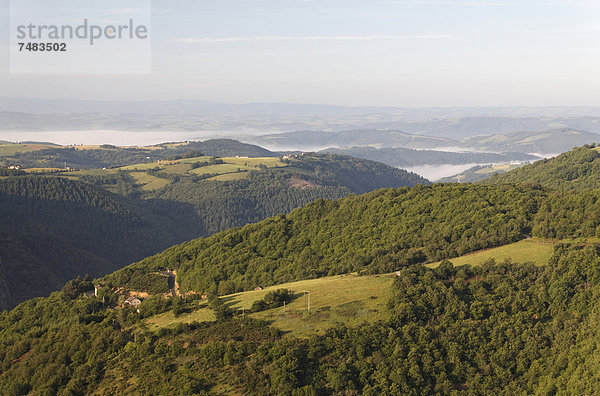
{"x": 175, "y": 194}
{"x": 293, "y": 271}
{"x": 300, "y": 198}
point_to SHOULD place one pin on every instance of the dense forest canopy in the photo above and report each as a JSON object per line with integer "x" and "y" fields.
{"x": 223, "y": 205}
{"x": 374, "y": 233}
{"x": 52, "y": 229}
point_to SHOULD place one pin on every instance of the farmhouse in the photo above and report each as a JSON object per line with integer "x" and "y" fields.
{"x": 134, "y": 302}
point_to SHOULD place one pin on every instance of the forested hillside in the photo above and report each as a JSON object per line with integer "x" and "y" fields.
{"x": 373, "y": 233}
{"x": 479, "y": 173}
{"x": 577, "y": 169}
{"x": 222, "y": 205}
{"x": 506, "y": 328}
{"x": 52, "y": 229}
{"x": 499, "y": 328}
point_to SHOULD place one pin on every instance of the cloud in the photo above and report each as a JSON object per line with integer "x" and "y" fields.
{"x": 194, "y": 40}
{"x": 503, "y": 3}
{"x": 576, "y": 30}
{"x": 128, "y": 10}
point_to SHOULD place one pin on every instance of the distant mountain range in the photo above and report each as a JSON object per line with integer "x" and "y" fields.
{"x": 549, "y": 141}
{"x": 179, "y": 106}
{"x": 234, "y": 120}
{"x": 443, "y": 136}
{"x": 553, "y": 141}
{"x": 318, "y": 140}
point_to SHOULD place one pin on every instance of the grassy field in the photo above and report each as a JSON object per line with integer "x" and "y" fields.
{"x": 149, "y": 182}
{"x": 497, "y": 168}
{"x": 236, "y": 165}
{"x": 202, "y": 314}
{"x": 231, "y": 169}
{"x": 43, "y": 170}
{"x": 537, "y": 251}
{"x": 93, "y": 172}
{"x": 230, "y": 176}
{"x": 348, "y": 299}
{"x": 229, "y": 166}
{"x": 217, "y": 169}
{"x": 12, "y": 149}
{"x": 143, "y": 167}
{"x": 269, "y": 162}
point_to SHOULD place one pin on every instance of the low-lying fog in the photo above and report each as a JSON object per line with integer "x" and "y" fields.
{"x": 436, "y": 172}
{"x": 118, "y": 138}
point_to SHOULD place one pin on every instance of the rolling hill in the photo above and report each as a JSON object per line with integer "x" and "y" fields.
{"x": 59, "y": 224}
{"x": 372, "y": 233}
{"x": 48, "y": 155}
{"x": 319, "y": 140}
{"x": 207, "y": 194}
{"x": 351, "y": 299}
{"x": 550, "y": 141}
{"x": 479, "y": 173}
{"x": 402, "y": 157}
{"x": 495, "y": 327}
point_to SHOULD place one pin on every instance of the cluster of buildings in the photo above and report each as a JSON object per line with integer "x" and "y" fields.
{"x": 129, "y": 301}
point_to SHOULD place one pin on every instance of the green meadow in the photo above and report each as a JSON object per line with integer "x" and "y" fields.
{"x": 350, "y": 299}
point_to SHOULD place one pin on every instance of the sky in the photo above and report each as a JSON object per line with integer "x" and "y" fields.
{"x": 347, "y": 52}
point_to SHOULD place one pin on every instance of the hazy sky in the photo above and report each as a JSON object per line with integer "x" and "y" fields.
{"x": 370, "y": 52}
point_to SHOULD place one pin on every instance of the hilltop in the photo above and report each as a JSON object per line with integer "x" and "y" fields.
{"x": 49, "y": 155}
